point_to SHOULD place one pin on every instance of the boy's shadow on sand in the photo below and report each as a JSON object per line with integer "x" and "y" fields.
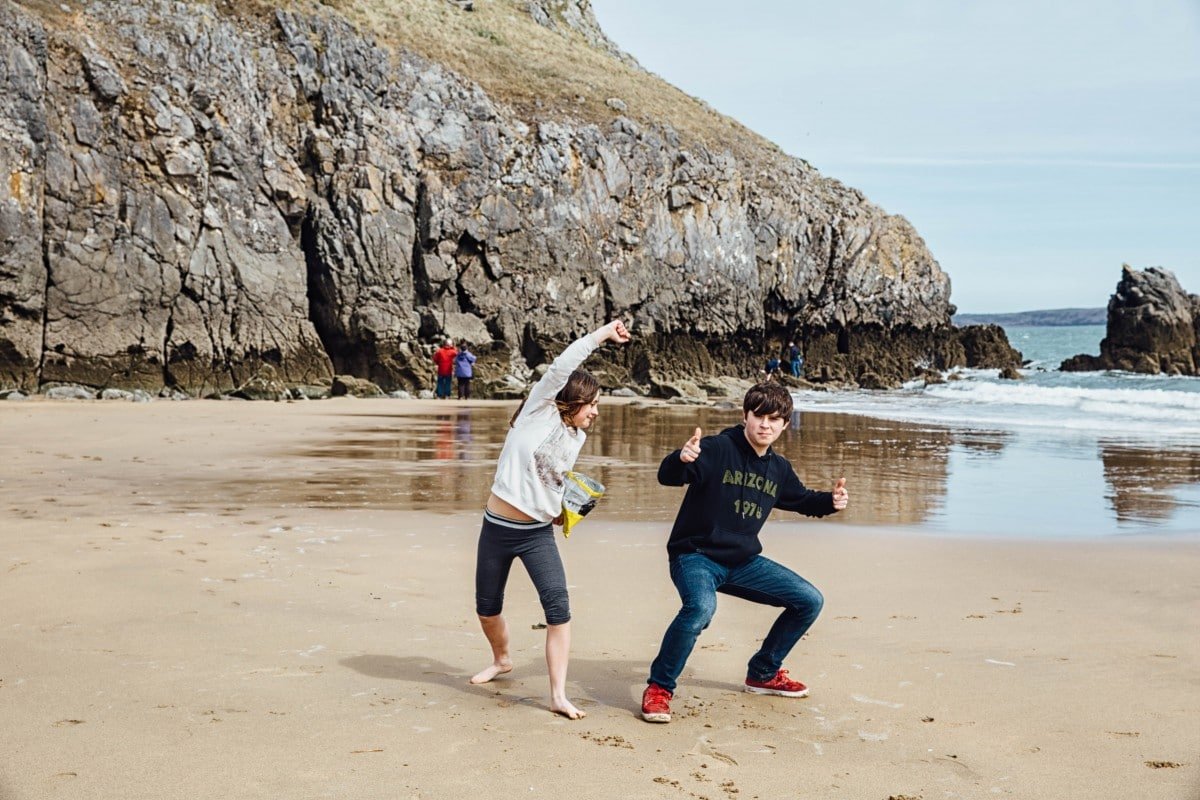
{"x": 608, "y": 682}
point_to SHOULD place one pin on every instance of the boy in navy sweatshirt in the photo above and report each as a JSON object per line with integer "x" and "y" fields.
{"x": 734, "y": 479}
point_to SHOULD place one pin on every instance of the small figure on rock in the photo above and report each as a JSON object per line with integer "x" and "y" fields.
{"x": 772, "y": 368}
{"x": 795, "y": 360}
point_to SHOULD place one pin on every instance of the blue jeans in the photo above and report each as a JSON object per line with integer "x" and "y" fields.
{"x": 760, "y": 580}
{"x": 443, "y": 386}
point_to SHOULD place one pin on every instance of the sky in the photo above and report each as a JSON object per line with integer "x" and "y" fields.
{"x": 1035, "y": 146}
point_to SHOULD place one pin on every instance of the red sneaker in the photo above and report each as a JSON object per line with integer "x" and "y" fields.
{"x": 781, "y": 685}
{"x": 656, "y": 704}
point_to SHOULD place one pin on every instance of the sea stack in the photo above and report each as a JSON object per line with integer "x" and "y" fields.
{"x": 1153, "y": 327}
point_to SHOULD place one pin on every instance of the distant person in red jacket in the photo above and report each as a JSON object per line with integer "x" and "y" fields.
{"x": 443, "y": 359}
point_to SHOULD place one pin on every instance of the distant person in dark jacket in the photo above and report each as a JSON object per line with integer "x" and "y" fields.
{"x": 795, "y": 360}
{"x": 464, "y": 370}
{"x": 734, "y": 479}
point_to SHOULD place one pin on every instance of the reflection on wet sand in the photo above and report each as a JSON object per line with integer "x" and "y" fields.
{"x": 898, "y": 473}
{"x": 446, "y": 461}
{"x": 896, "y": 470}
{"x": 1141, "y": 480}
{"x": 403, "y": 462}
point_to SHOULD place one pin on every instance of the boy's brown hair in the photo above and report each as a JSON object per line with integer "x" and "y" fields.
{"x": 767, "y": 399}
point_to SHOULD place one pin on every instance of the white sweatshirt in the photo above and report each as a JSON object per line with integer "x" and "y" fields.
{"x": 539, "y": 448}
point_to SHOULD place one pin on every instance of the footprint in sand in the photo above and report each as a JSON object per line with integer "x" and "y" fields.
{"x": 611, "y": 740}
{"x": 705, "y": 748}
{"x": 953, "y": 759}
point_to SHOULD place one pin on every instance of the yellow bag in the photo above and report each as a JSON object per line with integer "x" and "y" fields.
{"x": 579, "y": 499}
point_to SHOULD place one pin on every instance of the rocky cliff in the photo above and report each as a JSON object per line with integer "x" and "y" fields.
{"x": 201, "y": 196}
{"x": 1153, "y": 327}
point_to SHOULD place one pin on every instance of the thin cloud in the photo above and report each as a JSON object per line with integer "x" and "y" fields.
{"x": 901, "y": 161}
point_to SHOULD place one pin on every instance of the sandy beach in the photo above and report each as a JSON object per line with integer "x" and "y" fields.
{"x": 161, "y": 636}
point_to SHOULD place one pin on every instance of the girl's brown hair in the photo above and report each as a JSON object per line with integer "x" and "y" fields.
{"x": 581, "y": 389}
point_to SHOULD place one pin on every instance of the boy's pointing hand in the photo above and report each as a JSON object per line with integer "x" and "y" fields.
{"x": 691, "y": 450}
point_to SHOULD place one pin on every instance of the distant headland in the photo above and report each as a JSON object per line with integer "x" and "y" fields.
{"x": 1047, "y": 317}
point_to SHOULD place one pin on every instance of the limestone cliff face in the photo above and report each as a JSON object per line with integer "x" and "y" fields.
{"x": 193, "y": 198}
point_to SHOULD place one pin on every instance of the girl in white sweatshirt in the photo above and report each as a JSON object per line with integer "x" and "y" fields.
{"x": 544, "y": 439}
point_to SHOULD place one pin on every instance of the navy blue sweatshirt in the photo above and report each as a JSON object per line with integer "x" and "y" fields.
{"x": 731, "y": 491}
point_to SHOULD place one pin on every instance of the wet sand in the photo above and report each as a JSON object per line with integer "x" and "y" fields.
{"x": 934, "y": 480}
{"x": 190, "y": 607}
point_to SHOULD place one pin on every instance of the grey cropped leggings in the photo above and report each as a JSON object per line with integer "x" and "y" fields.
{"x": 502, "y": 540}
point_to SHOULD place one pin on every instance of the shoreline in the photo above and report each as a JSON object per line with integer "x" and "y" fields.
{"x": 349, "y": 453}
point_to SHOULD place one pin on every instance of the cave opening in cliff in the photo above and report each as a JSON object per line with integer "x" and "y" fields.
{"x": 323, "y": 303}
{"x": 469, "y": 254}
{"x": 843, "y": 341}
{"x": 423, "y": 240}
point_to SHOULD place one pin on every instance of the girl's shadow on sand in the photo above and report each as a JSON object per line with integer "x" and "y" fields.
{"x": 614, "y": 683}
{"x": 407, "y": 668}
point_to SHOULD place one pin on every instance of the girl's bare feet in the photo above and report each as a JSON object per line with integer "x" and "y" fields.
{"x": 497, "y": 668}
{"x": 565, "y": 708}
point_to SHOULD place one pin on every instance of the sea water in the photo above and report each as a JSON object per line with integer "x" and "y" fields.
{"x": 1070, "y": 453}
{"x": 1045, "y": 347}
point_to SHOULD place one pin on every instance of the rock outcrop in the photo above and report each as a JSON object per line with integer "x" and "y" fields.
{"x": 211, "y": 200}
{"x": 1153, "y": 327}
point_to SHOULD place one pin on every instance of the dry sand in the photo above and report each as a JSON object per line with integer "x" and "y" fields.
{"x": 158, "y": 640}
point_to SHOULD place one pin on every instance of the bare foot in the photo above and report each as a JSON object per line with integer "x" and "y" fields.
{"x": 498, "y": 668}
{"x": 565, "y": 708}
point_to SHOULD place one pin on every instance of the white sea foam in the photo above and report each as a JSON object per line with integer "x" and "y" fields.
{"x": 1108, "y": 405}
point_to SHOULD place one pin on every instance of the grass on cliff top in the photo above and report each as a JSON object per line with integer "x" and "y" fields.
{"x": 541, "y": 72}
